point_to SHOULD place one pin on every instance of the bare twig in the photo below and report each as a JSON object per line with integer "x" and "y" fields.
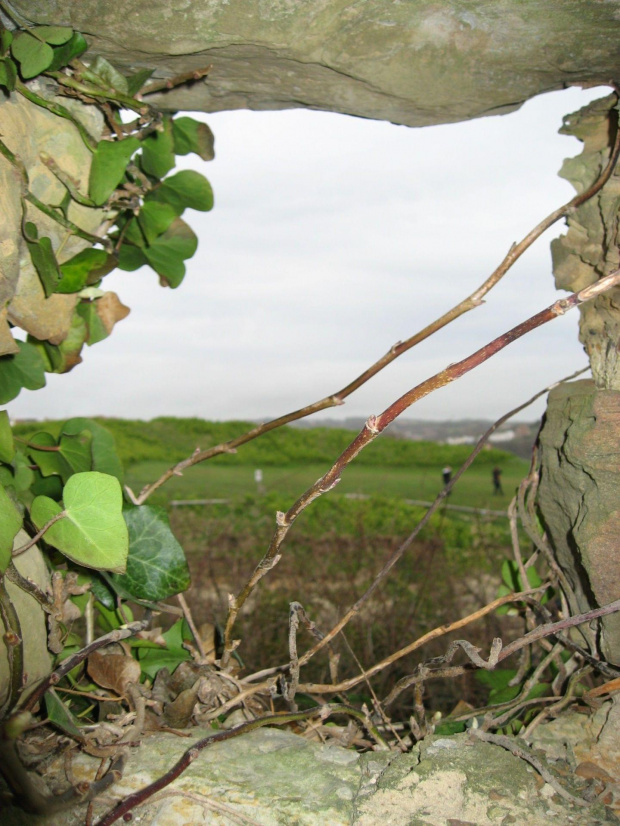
{"x": 177, "y": 80}
{"x": 435, "y": 633}
{"x": 192, "y": 627}
{"x": 510, "y": 744}
{"x": 376, "y": 425}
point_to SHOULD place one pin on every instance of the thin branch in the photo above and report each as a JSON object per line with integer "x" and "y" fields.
{"x": 510, "y": 744}
{"x": 177, "y": 80}
{"x": 552, "y": 628}
{"x": 435, "y": 633}
{"x": 464, "y": 306}
{"x": 376, "y": 425}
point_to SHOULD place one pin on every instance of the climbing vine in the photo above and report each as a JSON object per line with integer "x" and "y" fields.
{"x": 132, "y": 191}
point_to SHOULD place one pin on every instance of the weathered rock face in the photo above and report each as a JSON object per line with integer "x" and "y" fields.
{"x": 274, "y": 777}
{"x": 590, "y": 249}
{"x": 579, "y": 499}
{"x": 416, "y": 63}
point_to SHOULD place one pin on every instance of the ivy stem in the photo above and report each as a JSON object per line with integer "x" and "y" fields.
{"x": 38, "y": 536}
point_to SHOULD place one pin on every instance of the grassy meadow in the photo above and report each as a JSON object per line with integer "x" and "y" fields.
{"x": 337, "y": 546}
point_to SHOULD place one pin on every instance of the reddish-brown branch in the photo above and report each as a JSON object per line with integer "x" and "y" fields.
{"x": 469, "y": 303}
{"x": 376, "y": 424}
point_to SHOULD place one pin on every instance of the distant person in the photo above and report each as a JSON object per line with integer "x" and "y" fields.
{"x": 497, "y": 481}
{"x": 447, "y": 474}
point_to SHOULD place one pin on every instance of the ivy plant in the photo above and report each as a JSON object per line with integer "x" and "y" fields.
{"x": 63, "y": 491}
{"x": 132, "y": 186}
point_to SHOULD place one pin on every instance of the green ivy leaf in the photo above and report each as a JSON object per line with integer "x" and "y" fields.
{"x": 130, "y": 258}
{"x": 151, "y": 661}
{"x": 108, "y": 167}
{"x": 136, "y": 81}
{"x": 158, "y": 152}
{"x": 104, "y": 74}
{"x": 64, "y": 54}
{"x": 7, "y": 445}
{"x": 83, "y": 269}
{"x": 23, "y": 476}
{"x": 103, "y": 449}
{"x": 95, "y": 326}
{"x": 185, "y": 190}
{"x": 76, "y": 449}
{"x": 10, "y": 523}
{"x": 46, "y": 486}
{"x": 43, "y": 258}
{"x": 23, "y": 369}
{"x": 54, "y": 35}
{"x": 152, "y": 220}
{"x": 59, "y": 715}
{"x": 6, "y": 38}
{"x": 93, "y": 532}
{"x": 8, "y": 74}
{"x": 48, "y": 460}
{"x": 156, "y": 565}
{"x": 32, "y": 55}
{"x": 166, "y": 253}
{"x": 193, "y": 136}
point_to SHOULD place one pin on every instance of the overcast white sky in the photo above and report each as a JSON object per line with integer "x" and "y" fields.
{"x": 332, "y": 238}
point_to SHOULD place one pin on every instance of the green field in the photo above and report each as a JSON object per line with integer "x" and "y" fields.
{"x": 212, "y": 481}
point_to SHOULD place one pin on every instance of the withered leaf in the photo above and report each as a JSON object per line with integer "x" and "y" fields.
{"x": 113, "y": 671}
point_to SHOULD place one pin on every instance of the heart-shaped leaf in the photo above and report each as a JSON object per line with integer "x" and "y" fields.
{"x": 166, "y": 253}
{"x": 130, "y": 258}
{"x": 92, "y": 531}
{"x": 156, "y": 565}
{"x": 104, "y": 456}
{"x": 54, "y": 35}
{"x": 32, "y": 55}
{"x": 22, "y": 369}
{"x": 185, "y": 190}
{"x": 108, "y": 167}
{"x": 10, "y": 523}
{"x": 193, "y": 136}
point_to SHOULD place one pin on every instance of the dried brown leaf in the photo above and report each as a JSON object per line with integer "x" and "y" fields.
{"x": 113, "y": 671}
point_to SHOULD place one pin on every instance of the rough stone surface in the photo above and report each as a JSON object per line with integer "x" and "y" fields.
{"x": 275, "y": 778}
{"x": 579, "y": 497}
{"x": 590, "y": 248}
{"x": 37, "y": 659}
{"x": 27, "y": 129}
{"x": 416, "y": 63}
